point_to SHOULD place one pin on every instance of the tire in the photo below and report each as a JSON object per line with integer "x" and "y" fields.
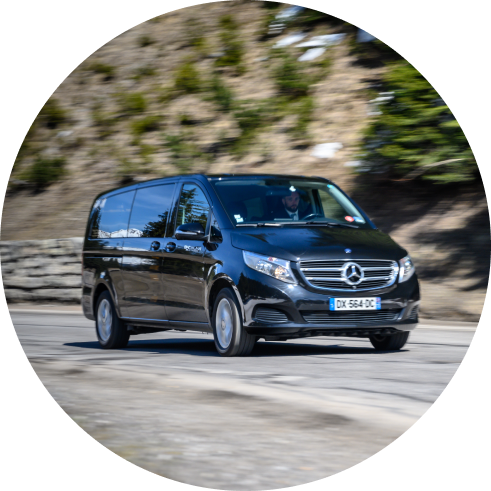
{"x": 231, "y": 339}
{"x": 110, "y": 329}
{"x": 390, "y": 342}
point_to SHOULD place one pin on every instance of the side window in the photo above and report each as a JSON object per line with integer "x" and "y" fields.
{"x": 193, "y": 206}
{"x": 151, "y": 211}
{"x": 111, "y": 216}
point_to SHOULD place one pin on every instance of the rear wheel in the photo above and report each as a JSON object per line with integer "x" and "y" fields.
{"x": 111, "y": 331}
{"x": 390, "y": 341}
{"x": 231, "y": 339}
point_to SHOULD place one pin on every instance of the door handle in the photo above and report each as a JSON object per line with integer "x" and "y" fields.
{"x": 170, "y": 247}
{"x": 155, "y": 246}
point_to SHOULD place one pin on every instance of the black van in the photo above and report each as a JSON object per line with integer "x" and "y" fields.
{"x": 244, "y": 257}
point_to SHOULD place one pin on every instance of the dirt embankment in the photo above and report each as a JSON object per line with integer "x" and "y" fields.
{"x": 123, "y": 117}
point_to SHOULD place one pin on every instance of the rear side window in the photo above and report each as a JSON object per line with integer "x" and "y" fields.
{"x": 151, "y": 211}
{"x": 193, "y": 206}
{"x": 111, "y": 216}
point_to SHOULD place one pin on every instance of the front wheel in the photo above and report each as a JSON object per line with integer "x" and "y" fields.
{"x": 110, "y": 329}
{"x": 231, "y": 339}
{"x": 390, "y": 341}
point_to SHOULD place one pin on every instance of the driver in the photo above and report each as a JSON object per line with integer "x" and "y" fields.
{"x": 292, "y": 206}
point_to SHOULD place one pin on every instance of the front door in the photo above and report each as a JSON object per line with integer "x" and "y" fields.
{"x": 183, "y": 265}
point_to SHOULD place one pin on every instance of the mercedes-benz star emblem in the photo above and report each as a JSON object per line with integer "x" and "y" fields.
{"x": 352, "y": 274}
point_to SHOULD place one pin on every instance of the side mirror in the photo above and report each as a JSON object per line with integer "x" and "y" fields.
{"x": 190, "y": 231}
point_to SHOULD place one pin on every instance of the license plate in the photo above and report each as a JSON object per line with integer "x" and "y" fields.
{"x": 372, "y": 303}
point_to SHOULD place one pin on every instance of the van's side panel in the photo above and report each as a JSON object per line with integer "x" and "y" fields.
{"x": 103, "y": 265}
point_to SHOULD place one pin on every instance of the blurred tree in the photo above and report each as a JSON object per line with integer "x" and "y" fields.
{"x": 415, "y": 135}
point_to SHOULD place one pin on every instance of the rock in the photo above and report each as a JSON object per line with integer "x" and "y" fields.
{"x": 58, "y": 294}
{"x": 18, "y": 295}
{"x": 33, "y": 262}
{"x": 31, "y": 283}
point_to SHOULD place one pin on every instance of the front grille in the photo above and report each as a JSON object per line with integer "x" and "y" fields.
{"x": 360, "y": 317}
{"x": 270, "y": 315}
{"x": 328, "y": 274}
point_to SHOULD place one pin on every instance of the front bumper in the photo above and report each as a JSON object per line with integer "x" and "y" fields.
{"x": 298, "y": 311}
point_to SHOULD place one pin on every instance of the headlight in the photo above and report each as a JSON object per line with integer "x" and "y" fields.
{"x": 272, "y": 266}
{"x": 406, "y": 268}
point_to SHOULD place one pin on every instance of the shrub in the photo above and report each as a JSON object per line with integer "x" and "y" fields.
{"x": 25, "y": 146}
{"x": 108, "y": 71}
{"x": 144, "y": 125}
{"x": 187, "y": 78}
{"x": 104, "y": 122}
{"x": 251, "y": 116}
{"x": 415, "y": 134}
{"x": 184, "y": 152}
{"x": 304, "y": 111}
{"x": 186, "y": 120}
{"x": 289, "y": 79}
{"x": 196, "y": 39}
{"x": 232, "y": 46}
{"x": 270, "y": 5}
{"x": 52, "y": 114}
{"x": 44, "y": 171}
{"x": 146, "y": 152}
{"x": 144, "y": 41}
{"x": 144, "y": 71}
{"x": 133, "y": 103}
{"x": 166, "y": 94}
{"x": 221, "y": 95}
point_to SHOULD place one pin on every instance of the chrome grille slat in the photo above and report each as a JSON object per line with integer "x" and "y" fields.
{"x": 368, "y": 317}
{"x": 326, "y": 274}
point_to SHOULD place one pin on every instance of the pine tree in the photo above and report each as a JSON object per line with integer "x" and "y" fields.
{"x": 416, "y": 135}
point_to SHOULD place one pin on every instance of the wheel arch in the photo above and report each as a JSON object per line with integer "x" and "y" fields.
{"x": 98, "y": 290}
{"x": 221, "y": 282}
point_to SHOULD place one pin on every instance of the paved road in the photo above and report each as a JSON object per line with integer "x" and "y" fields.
{"x": 291, "y": 413}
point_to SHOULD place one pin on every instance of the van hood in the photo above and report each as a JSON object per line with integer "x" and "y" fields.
{"x": 306, "y": 243}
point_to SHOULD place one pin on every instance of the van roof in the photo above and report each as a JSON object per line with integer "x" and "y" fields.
{"x": 209, "y": 177}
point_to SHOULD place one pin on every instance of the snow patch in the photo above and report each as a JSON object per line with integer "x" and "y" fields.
{"x": 326, "y": 150}
{"x": 322, "y": 41}
{"x": 364, "y": 36}
{"x": 312, "y": 54}
{"x": 291, "y": 39}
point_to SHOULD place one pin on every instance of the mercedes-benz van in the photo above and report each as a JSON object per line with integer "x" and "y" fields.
{"x": 244, "y": 257}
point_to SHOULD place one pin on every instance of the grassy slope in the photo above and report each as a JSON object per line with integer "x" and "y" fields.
{"x": 102, "y": 149}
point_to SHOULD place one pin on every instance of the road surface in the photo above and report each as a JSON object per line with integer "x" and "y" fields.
{"x": 292, "y": 413}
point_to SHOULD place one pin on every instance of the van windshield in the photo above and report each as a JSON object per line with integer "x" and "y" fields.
{"x": 287, "y": 201}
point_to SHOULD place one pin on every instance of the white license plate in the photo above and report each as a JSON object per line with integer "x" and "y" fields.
{"x": 371, "y": 303}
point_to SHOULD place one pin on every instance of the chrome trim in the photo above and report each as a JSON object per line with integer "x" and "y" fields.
{"x": 391, "y": 279}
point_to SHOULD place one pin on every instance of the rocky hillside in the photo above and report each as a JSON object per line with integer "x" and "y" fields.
{"x": 153, "y": 102}
{"x": 227, "y": 87}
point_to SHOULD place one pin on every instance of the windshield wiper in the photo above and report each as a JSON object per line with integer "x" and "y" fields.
{"x": 330, "y": 224}
{"x": 259, "y": 224}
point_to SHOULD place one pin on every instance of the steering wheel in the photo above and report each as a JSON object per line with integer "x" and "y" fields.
{"x": 312, "y": 215}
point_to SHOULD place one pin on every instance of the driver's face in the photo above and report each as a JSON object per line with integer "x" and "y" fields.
{"x": 291, "y": 202}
